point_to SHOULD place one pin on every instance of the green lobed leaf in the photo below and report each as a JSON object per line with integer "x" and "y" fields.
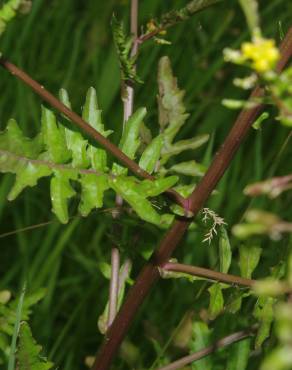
{"x": 190, "y": 168}
{"x": 236, "y": 300}
{"x": 225, "y": 253}
{"x": 98, "y": 158}
{"x": 28, "y": 354}
{"x": 172, "y": 112}
{"x": 54, "y": 138}
{"x": 182, "y": 145}
{"x": 74, "y": 140}
{"x": 130, "y": 140}
{"x": 216, "y": 303}
{"x": 93, "y": 188}
{"x": 128, "y": 189}
{"x": 13, "y": 140}
{"x": 28, "y": 175}
{"x": 61, "y": 192}
{"x": 9, "y": 312}
{"x": 65, "y": 155}
{"x": 239, "y": 355}
{"x": 264, "y": 312}
{"x": 152, "y": 188}
{"x": 249, "y": 257}
{"x": 9, "y": 10}
{"x": 92, "y": 114}
{"x": 200, "y": 339}
{"x": 172, "y": 115}
{"x": 151, "y": 154}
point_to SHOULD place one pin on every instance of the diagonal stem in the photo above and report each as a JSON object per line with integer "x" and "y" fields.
{"x": 177, "y": 16}
{"x": 223, "y": 342}
{"x": 150, "y": 273}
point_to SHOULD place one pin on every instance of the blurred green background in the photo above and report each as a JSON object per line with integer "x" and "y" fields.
{"x": 69, "y": 44}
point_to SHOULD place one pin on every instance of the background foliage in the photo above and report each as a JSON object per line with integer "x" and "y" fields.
{"x": 69, "y": 44}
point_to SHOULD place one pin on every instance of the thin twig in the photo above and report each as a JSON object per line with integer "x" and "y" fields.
{"x": 176, "y": 16}
{"x": 224, "y": 342}
{"x": 209, "y": 274}
{"x": 129, "y": 92}
{"x": 47, "y": 223}
{"x": 150, "y": 273}
{"x": 114, "y": 286}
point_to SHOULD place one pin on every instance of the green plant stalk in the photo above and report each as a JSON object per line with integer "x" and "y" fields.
{"x": 11, "y": 361}
{"x": 150, "y": 273}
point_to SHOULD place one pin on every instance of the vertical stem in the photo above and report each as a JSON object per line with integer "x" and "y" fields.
{"x": 114, "y": 286}
{"x": 134, "y": 25}
{"x": 221, "y": 343}
{"x": 128, "y": 99}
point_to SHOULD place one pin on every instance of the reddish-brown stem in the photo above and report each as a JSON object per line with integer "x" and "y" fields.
{"x": 150, "y": 273}
{"x": 224, "y": 342}
{"x": 85, "y": 127}
{"x": 206, "y": 273}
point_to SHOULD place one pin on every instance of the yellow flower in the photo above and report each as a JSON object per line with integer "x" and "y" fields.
{"x": 151, "y": 26}
{"x": 262, "y": 53}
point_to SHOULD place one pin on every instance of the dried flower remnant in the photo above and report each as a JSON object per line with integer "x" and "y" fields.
{"x": 272, "y": 187}
{"x": 217, "y": 221}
